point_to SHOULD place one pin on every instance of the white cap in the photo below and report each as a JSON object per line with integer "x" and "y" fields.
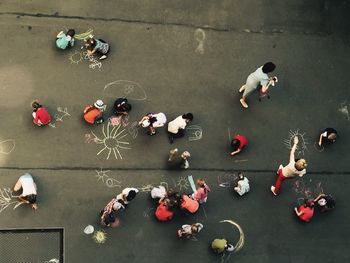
{"x": 99, "y": 104}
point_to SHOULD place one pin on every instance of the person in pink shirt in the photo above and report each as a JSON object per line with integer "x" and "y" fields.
{"x": 40, "y": 114}
{"x": 201, "y": 194}
{"x": 238, "y": 143}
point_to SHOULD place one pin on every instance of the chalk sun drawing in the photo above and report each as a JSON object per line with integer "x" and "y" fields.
{"x": 7, "y": 146}
{"x": 125, "y": 88}
{"x": 112, "y": 140}
{"x": 199, "y": 35}
{"x": 343, "y": 109}
{"x": 182, "y": 183}
{"x": 301, "y": 147}
{"x": 59, "y": 116}
{"x": 7, "y": 198}
{"x": 95, "y": 63}
{"x": 100, "y": 237}
{"x": 196, "y": 132}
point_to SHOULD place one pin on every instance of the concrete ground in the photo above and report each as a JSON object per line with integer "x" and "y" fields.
{"x": 178, "y": 57}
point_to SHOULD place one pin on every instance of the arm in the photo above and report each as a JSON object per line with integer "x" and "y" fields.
{"x": 91, "y": 52}
{"x": 142, "y": 120}
{"x": 320, "y": 140}
{"x": 292, "y": 152}
{"x": 297, "y": 212}
{"x": 235, "y": 152}
{"x": 319, "y": 197}
{"x": 23, "y": 200}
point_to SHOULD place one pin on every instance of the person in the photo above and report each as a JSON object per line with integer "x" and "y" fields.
{"x": 305, "y": 212}
{"x": 163, "y": 212}
{"x": 221, "y": 245}
{"x": 158, "y": 192}
{"x": 175, "y": 162}
{"x": 242, "y": 185}
{"x": 328, "y": 136}
{"x": 29, "y": 190}
{"x": 295, "y": 167}
{"x": 121, "y": 107}
{"x": 188, "y": 231}
{"x": 153, "y": 121}
{"x": 238, "y": 143}
{"x": 93, "y": 114}
{"x": 171, "y": 197}
{"x": 107, "y": 215}
{"x": 127, "y": 195}
{"x": 97, "y": 46}
{"x": 189, "y": 204}
{"x": 201, "y": 194}
{"x": 40, "y": 115}
{"x": 176, "y": 128}
{"x": 64, "y": 40}
{"x": 257, "y": 78}
{"x": 324, "y": 202}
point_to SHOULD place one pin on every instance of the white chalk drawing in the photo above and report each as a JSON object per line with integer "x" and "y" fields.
{"x": 112, "y": 140}
{"x": 7, "y": 146}
{"x": 308, "y": 190}
{"x": 146, "y": 188}
{"x": 182, "y": 183}
{"x": 90, "y": 138}
{"x": 105, "y": 178}
{"x": 122, "y": 119}
{"x": 148, "y": 213}
{"x": 125, "y": 88}
{"x": 95, "y": 63}
{"x": 301, "y": 147}
{"x": 241, "y": 161}
{"x": 59, "y": 116}
{"x": 199, "y": 35}
{"x": 343, "y": 109}
{"x": 133, "y": 129}
{"x": 226, "y": 180}
{"x": 100, "y": 237}
{"x": 53, "y": 260}
{"x": 7, "y": 199}
{"x": 85, "y": 35}
{"x": 240, "y": 243}
{"x": 318, "y": 147}
{"x": 196, "y": 132}
{"x": 75, "y": 57}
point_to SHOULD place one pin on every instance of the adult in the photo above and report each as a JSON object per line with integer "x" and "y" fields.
{"x": 29, "y": 190}
{"x": 189, "y": 204}
{"x": 328, "y": 136}
{"x": 188, "y": 231}
{"x": 121, "y": 106}
{"x": 201, "y": 193}
{"x": 242, "y": 184}
{"x": 176, "y": 128}
{"x": 93, "y": 114}
{"x": 295, "y": 167}
{"x": 153, "y": 121}
{"x": 107, "y": 215}
{"x": 324, "y": 202}
{"x": 64, "y": 40}
{"x": 305, "y": 212}
{"x": 127, "y": 195}
{"x": 175, "y": 161}
{"x": 40, "y": 115}
{"x": 238, "y": 143}
{"x": 97, "y": 46}
{"x": 221, "y": 245}
{"x": 257, "y": 78}
{"x": 163, "y": 212}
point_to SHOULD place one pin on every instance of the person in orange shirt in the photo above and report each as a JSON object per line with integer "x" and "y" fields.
{"x": 189, "y": 204}
{"x": 93, "y": 114}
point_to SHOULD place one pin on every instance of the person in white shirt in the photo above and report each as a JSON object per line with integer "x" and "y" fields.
{"x": 153, "y": 121}
{"x": 189, "y": 230}
{"x": 176, "y": 128}
{"x": 295, "y": 167}
{"x": 127, "y": 195}
{"x": 242, "y": 185}
{"x": 29, "y": 190}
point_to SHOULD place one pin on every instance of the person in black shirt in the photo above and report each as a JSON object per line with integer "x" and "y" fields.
{"x": 328, "y": 136}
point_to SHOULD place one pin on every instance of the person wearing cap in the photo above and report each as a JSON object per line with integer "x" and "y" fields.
{"x": 153, "y": 121}
{"x": 238, "y": 143}
{"x": 29, "y": 190}
{"x": 121, "y": 107}
{"x": 221, "y": 245}
{"x": 40, "y": 115}
{"x": 93, "y": 114}
{"x": 127, "y": 195}
{"x": 176, "y": 128}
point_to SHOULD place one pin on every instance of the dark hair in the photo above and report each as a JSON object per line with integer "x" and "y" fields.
{"x": 71, "y": 32}
{"x": 91, "y": 43}
{"x": 31, "y": 198}
{"x": 36, "y": 104}
{"x": 235, "y": 144}
{"x": 188, "y": 116}
{"x": 240, "y": 176}
{"x": 131, "y": 195}
{"x": 127, "y": 107}
{"x": 268, "y": 67}
{"x": 309, "y": 203}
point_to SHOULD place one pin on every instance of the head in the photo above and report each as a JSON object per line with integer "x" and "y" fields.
{"x": 36, "y": 104}
{"x": 300, "y": 164}
{"x": 127, "y": 107}
{"x": 188, "y": 117}
{"x": 71, "y": 32}
{"x": 240, "y": 176}
{"x": 235, "y": 144}
{"x": 268, "y": 67}
{"x": 90, "y": 43}
{"x": 185, "y": 155}
{"x": 309, "y": 203}
{"x": 131, "y": 195}
{"x": 145, "y": 123}
{"x": 100, "y": 105}
{"x": 194, "y": 229}
{"x": 200, "y": 183}
{"x": 31, "y": 198}
{"x": 332, "y": 137}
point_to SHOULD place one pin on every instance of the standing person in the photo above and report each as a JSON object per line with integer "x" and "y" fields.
{"x": 238, "y": 143}
{"x": 188, "y": 231}
{"x": 257, "y": 78}
{"x": 328, "y": 136}
{"x": 153, "y": 121}
{"x": 108, "y": 217}
{"x": 127, "y": 195}
{"x": 64, "y": 40}
{"x": 221, "y": 245}
{"x": 29, "y": 190}
{"x": 201, "y": 194}
{"x": 295, "y": 167}
{"x": 93, "y": 114}
{"x": 242, "y": 185}
{"x": 175, "y": 162}
{"x": 176, "y": 128}
{"x": 97, "y": 46}
{"x": 305, "y": 212}
{"x": 121, "y": 107}
{"x": 40, "y": 115}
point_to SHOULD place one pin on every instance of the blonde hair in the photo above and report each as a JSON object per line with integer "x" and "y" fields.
{"x": 300, "y": 164}
{"x": 200, "y": 182}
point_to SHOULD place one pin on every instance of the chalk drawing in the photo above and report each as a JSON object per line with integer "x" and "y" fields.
{"x": 85, "y": 35}
{"x": 343, "y": 109}
{"x": 89, "y": 138}
{"x": 59, "y": 116}
{"x": 133, "y": 130}
{"x": 199, "y": 35}
{"x": 318, "y": 147}
{"x": 105, "y": 178}
{"x": 308, "y": 190}
{"x": 112, "y": 140}
{"x": 182, "y": 183}
{"x": 7, "y": 146}
{"x": 226, "y": 180}
{"x": 125, "y": 88}
{"x": 301, "y": 147}
{"x": 165, "y": 184}
{"x": 204, "y": 211}
{"x": 148, "y": 213}
{"x": 229, "y": 135}
{"x": 240, "y": 243}
{"x": 241, "y": 161}
{"x": 100, "y": 237}
{"x": 192, "y": 184}
{"x": 53, "y": 260}
{"x": 196, "y": 132}
{"x": 7, "y": 198}
{"x": 121, "y": 119}
{"x": 95, "y": 63}
{"x": 146, "y": 188}
{"x": 75, "y": 57}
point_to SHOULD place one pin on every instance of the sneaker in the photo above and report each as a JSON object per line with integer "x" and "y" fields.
{"x": 103, "y": 57}
{"x": 242, "y": 89}
{"x": 273, "y": 190}
{"x": 279, "y": 168}
{"x": 244, "y": 104}
{"x": 171, "y": 139}
{"x": 172, "y": 154}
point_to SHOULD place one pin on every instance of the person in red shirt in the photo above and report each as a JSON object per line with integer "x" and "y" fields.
{"x": 93, "y": 113}
{"x": 238, "y": 143}
{"x": 40, "y": 114}
{"x": 189, "y": 204}
{"x": 305, "y": 212}
{"x": 163, "y": 212}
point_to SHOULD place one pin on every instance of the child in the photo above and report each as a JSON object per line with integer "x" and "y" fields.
{"x": 242, "y": 185}
{"x": 324, "y": 202}
{"x": 97, "y": 46}
{"x": 189, "y": 230}
{"x": 305, "y": 212}
{"x": 328, "y": 136}
{"x": 40, "y": 114}
{"x": 238, "y": 143}
{"x": 29, "y": 190}
{"x": 121, "y": 107}
{"x": 189, "y": 204}
{"x": 153, "y": 121}
{"x": 107, "y": 214}
{"x": 201, "y": 194}
{"x": 163, "y": 212}
{"x": 176, "y": 128}
{"x": 93, "y": 114}
{"x": 65, "y": 40}
{"x": 175, "y": 162}
{"x": 221, "y": 245}
{"x": 127, "y": 195}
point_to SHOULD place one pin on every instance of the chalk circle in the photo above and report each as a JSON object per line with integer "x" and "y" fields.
{"x": 318, "y": 147}
{"x": 75, "y": 57}
{"x": 89, "y": 229}
{"x": 199, "y": 35}
{"x": 240, "y": 242}
{"x": 111, "y": 182}
{"x": 123, "y": 88}
{"x": 7, "y": 146}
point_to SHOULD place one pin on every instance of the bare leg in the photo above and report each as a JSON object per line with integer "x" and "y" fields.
{"x": 243, "y": 102}
{"x": 242, "y": 89}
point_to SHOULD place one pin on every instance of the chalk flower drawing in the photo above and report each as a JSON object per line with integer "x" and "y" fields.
{"x": 7, "y": 146}
{"x": 100, "y": 237}
{"x": 112, "y": 140}
{"x": 196, "y": 132}
{"x": 7, "y": 199}
{"x": 301, "y": 147}
{"x": 182, "y": 183}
